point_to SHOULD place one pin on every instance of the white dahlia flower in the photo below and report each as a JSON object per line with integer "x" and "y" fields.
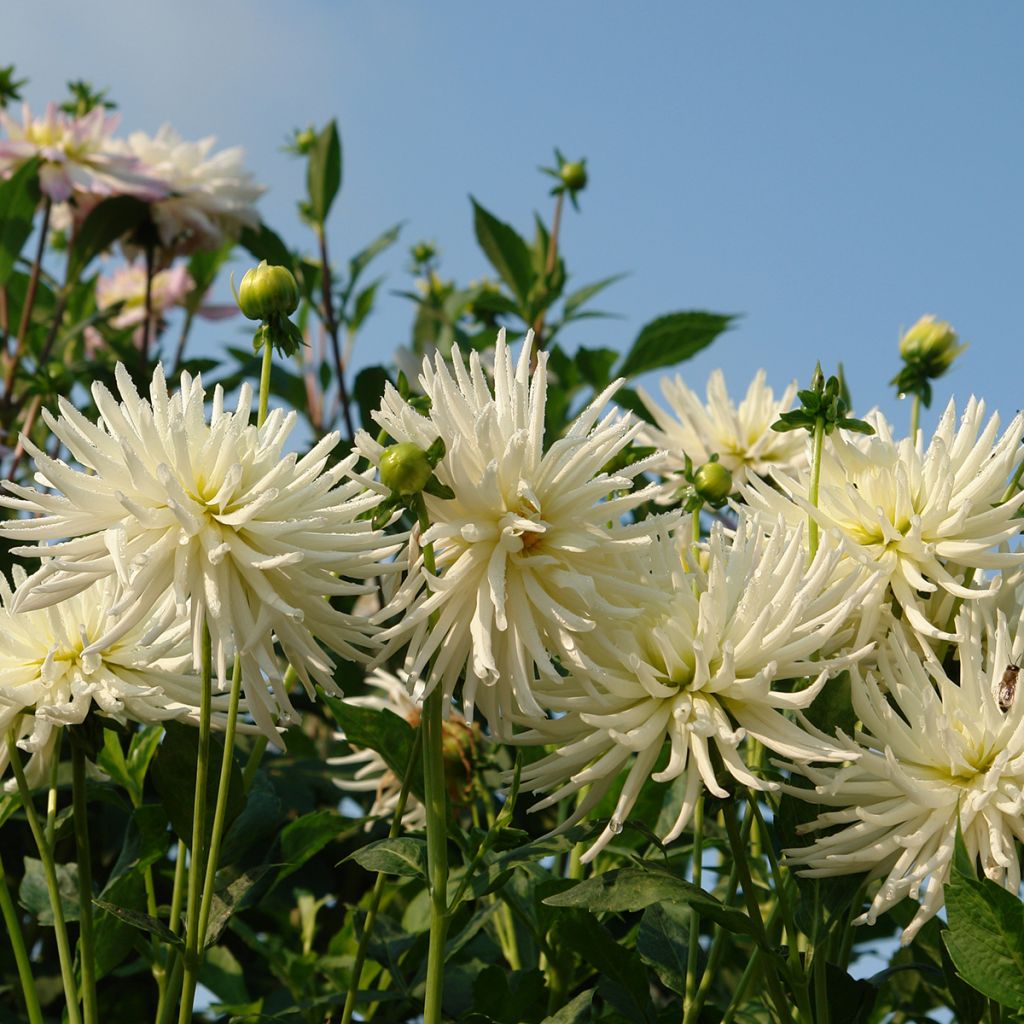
{"x": 211, "y": 197}
{"x": 246, "y": 537}
{"x": 930, "y": 750}
{"x": 532, "y": 550}
{"x": 700, "y": 670}
{"x": 77, "y": 156}
{"x": 53, "y": 672}
{"x": 742, "y": 437}
{"x": 926, "y": 518}
{"x": 373, "y": 775}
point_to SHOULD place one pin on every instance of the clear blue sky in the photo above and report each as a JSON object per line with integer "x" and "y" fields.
{"x": 830, "y": 170}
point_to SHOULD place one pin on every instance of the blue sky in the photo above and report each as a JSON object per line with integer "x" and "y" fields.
{"x": 831, "y": 171}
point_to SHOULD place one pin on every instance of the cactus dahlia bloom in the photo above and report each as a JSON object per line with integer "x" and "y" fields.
{"x": 76, "y": 156}
{"x": 531, "y": 551}
{"x": 926, "y": 518}
{"x": 211, "y": 197}
{"x": 741, "y": 436}
{"x": 244, "y": 537}
{"x": 48, "y": 680}
{"x": 700, "y": 670}
{"x": 931, "y": 751}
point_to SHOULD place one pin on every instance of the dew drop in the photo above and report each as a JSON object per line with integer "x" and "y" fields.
{"x": 615, "y": 826}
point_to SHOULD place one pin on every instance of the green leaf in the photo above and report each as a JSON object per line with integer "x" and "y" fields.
{"x": 145, "y": 841}
{"x": 367, "y": 390}
{"x": 388, "y": 734}
{"x": 142, "y": 921}
{"x": 362, "y": 307}
{"x": 673, "y": 338}
{"x": 636, "y": 888}
{"x": 850, "y": 1000}
{"x": 265, "y": 244}
{"x": 402, "y": 856}
{"x": 358, "y": 263}
{"x": 323, "y": 176}
{"x": 115, "y": 939}
{"x": 228, "y": 900}
{"x": 35, "y": 897}
{"x": 663, "y": 941}
{"x": 107, "y": 222}
{"x": 508, "y": 252}
{"x": 19, "y": 199}
{"x": 141, "y": 749}
{"x": 595, "y": 366}
{"x": 986, "y": 937}
{"x": 576, "y": 1011}
{"x": 258, "y": 823}
{"x": 575, "y": 299}
{"x": 222, "y": 975}
{"x": 174, "y": 775}
{"x": 307, "y": 836}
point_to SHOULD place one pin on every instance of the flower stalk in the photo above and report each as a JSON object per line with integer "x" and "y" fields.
{"x": 17, "y": 940}
{"x": 86, "y": 934}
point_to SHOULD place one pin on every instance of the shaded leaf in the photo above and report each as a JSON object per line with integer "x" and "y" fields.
{"x": 137, "y": 919}
{"x": 671, "y": 339}
{"x": 19, "y": 199}
{"x": 265, "y": 244}
{"x": 107, "y": 222}
{"x": 307, "y": 836}
{"x": 402, "y": 856}
{"x": 34, "y": 896}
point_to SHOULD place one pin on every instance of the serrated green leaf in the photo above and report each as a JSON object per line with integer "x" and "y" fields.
{"x": 673, "y": 338}
{"x": 19, "y": 199}
{"x": 575, "y": 299}
{"x": 663, "y": 941}
{"x": 401, "y": 856}
{"x": 508, "y": 252}
{"x": 323, "y": 176}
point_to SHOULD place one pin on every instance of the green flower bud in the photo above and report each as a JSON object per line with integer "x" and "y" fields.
{"x": 931, "y": 343}
{"x": 266, "y": 291}
{"x": 405, "y": 468}
{"x": 713, "y": 482}
{"x": 423, "y": 252}
{"x": 574, "y": 175}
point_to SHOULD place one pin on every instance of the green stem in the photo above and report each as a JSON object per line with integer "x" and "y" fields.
{"x": 915, "y": 417}
{"x": 195, "y": 872}
{"x": 1011, "y": 488}
{"x": 436, "y": 803}
{"x": 13, "y": 926}
{"x": 220, "y": 811}
{"x": 268, "y": 359}
{"x": 259, "y": 748}
{"x": 812, "y": 494}
{"x": 693, "y": 951}
{"x": 168, "y": 994}
{"x": 86, "y": 935}
{"x": 775, "y": 991}
{"x": 50, "y": 872}
{"x": 378, "y": 886}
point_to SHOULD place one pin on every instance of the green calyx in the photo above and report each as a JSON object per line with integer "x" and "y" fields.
{"x": 267, "y": 292}
{"x": 822, "y": 403}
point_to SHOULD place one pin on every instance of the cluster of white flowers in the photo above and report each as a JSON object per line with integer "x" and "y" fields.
{"x": 555, "y": 607}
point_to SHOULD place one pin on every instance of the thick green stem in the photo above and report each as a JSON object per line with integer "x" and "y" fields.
{"x": 693, "y": 951}
{"x": 195, "y": 871}
{"x": 915, "y": 417}
{"x": 50, "y": 872}
{"x": 436, "y": 803}
{"x": 775, "y": 990}
{"x": 268, "y": 359}
{"x": 378, "y": 886}
{"x": 86, "y": 935}
{"x": 220, "y": 811}
{"x": 812, "y": 494}
{"x": 13, "y": 925}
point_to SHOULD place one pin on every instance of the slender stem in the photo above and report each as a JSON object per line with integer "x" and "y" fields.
{"x": 331, "y": 324}
{"x": 13, "y": 925}
{"x": 739, "y": 852}
{"x": 1011, "y": 488}
{"x": 915, "y": 417}
{"x": 26, "y": 309}
{"x": 220, "y": 811}
{"x": 179, "y": 352}
{"x": 268, "y": 359}
{"x": 819, "y": 966}
{"x": 147, "y": 324}
{"x": 50, "y": 872}
{"x": 165, "y": 1012}
{"x": 178, "y": 891}
{"x": 259, "y": 747}
{"x": 167, "y": 997}
{"x": 195, "y": 873}
{"x": 812, "y": 494}
{"x": 693, "y": 951}
{"x": 549, "y": 268}
{"x": 5, "y": 324}
{"x": 51, "y": 794}
{"x": 86, "y": 935}
{"x": 378, "y": 886}
{"x": 436, "y": 803}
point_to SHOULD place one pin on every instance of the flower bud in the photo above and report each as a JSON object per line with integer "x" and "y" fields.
{"x": 574, "y": 175}
{"x": 713, "y": 482}
{"x": 932, "y": 343}
{"x": 405, "y": 468}
{"x": 266, "y": 291}
{"x": 422, "y": 252}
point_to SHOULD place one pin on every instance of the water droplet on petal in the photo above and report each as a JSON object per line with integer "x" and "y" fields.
{"x": 615, "y": 826}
